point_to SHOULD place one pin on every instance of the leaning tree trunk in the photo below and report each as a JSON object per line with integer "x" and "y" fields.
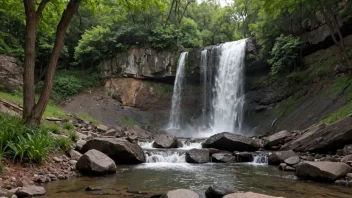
{"x": 36, "y": 111}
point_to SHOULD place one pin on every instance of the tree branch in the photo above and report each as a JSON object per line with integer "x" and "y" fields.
{"x": 41, "y": 7}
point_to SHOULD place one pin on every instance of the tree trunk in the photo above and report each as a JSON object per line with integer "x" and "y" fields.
{"x": 39, "y": 108}
{"x": 29, "y": 60}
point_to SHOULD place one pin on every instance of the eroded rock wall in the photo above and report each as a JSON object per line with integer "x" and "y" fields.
{"x": 10, "y": 73}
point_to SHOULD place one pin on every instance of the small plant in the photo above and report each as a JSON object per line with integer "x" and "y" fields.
{"x": 73, "y": 136}
{"x": 68, "y": 126}
{"x": 1, "y": 160}
{"x": 63, "y": 143}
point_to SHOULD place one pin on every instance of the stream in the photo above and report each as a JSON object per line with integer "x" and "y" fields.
{"x": 170, "y": 171}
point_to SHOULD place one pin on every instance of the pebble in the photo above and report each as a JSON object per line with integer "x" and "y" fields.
{"x": 56, "y": 159}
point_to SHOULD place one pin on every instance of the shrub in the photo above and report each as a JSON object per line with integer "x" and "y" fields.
{"x": 284, "y": 54}
{"x": 70, "y": 82}
{"x": 164, "y": 37}
{"x": 52, "y": 127}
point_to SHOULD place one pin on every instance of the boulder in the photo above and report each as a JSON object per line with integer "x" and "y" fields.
{"x": 102, "y": 128}
{"x": 346, "y": 158}
{"x": 136, "y": 132}
{"x": 165, "y": 141}
{"x": 180, "y": 193}
{"x": 248, "y": 195}
{"x": 278, "y": 157}
{"x": 216, "y": 191}
{"x": 223, "y": 158}
{"x": 120, "y": 150}
{"x": 197, "y": 156}
{"x": 292, "y": 160}
{"x": 75, "y": 155}
{"x": 231, "y": 142}
{"x": 94, "y": 162}
{"x": 347, "y": 150}
{"x": 80, "y": 144}
{"x": 30, "y": 191}
{"x": 322, "y": 171}
{"x": 243, "y": 156}
{"x": 323, "y": 139}
{"x": 276, "y": 139}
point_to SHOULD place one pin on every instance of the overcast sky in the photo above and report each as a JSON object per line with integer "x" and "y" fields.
{"x": 222, "y": 2}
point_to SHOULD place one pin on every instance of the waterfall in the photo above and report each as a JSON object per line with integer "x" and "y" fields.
{"x": 228, "y": 93}
{"x": 205, "y": 86}
{"x": 174, "y": 120}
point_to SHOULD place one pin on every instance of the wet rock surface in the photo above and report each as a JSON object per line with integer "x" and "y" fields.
{"x": 165, "y": 141}
{"x": 322, "y": 171}
{"x": 217, "y": 191}
{"x": 231, "y": 142}
{"x": 277, "y": 157}
{"x": 197, "y": 156}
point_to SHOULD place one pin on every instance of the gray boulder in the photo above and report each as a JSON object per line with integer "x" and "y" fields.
{"x": 180, "y": 193}
{"x": 279, "y": 157}
{"x": 217, "y": 191}
{"x": 292, "y": 160}
{"x": 347, "y": 150}
{"x": 75, "y": 155}
{"x": 248, "y": 195}
{"x": 94, "y": 162}
{"x": 276, "y": 139}
{"x": 322, "y": 171}
{"x": 80, "y": 144}
{"x": 223, "y": 158}
{"x": 165, "y": 141}
{"x": 197, "y": 156}
{"x": 346, "y": 158}
{"x": 232, "y": 142}
{"x": 120, "y": 150}
{"x": 30, "y": 191}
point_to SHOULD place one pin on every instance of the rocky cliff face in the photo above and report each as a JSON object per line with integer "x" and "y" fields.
{"x": 140, "y": 63}
{"x": 296, "y": 101}
{"x": 10, "y": 74}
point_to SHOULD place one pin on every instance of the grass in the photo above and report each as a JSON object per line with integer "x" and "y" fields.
{"x": 85, "y": 116}
{"x": 52, "y": 110}
{"x": 68, "y": 126}
{"x": 340, "y": 85}
{"x": 129, "y": 122}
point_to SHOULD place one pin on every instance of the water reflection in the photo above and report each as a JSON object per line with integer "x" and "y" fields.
{"x": 157, "y": 177}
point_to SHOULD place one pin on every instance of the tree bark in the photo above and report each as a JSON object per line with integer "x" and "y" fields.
{"x": 38, "y": 109}
{"x": 29, "y": 60}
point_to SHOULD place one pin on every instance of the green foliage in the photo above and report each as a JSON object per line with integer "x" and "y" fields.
{"x": 164, "y": 37}
{"x": 284, "y": 53}
{"x": 22, "y": 142}
{"x": 70, "y": 82}
{"x": 52, "y": 127}
{"x": 191, "y": 36}
{"x": 163, "y": 89}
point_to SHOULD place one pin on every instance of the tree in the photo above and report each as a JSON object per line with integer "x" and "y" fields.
{"x": 32, "y": 110}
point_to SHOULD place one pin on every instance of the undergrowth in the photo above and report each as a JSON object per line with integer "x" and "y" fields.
{"x": 27, "y": 144}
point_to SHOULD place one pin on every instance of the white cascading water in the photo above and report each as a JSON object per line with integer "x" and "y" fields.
{"x": 165, "y": 157}
{"x": 204, "y": 82}
{"x": 174, "y": 120}
{"x": 228, "y": 97}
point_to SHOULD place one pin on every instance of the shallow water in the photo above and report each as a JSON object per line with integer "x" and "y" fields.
{"x": 159, "y": 177}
